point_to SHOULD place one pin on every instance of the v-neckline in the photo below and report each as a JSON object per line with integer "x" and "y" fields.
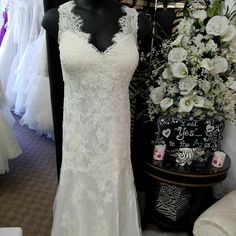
{"x": 121, "y": 21}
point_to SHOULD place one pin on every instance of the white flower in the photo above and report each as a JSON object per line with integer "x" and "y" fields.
{"x": 177, "y": 41}
{"x": 234, "y": 57}
{"x": 185, "y": 41}
{"x": 231, "y": 56}
{"x": 208, "y": 104}
{"x": 230, "y": 34}
{"x": 185, "y": 104}
{"x": 199, "y": 101}
{"x": 177, "y": 55}
{"x": 157, "y": 94}
{"x": 211, "y": 45}
{"x": 186, "y": 85}
{"x": 204, "y": 85}
{"x": 207, "y": 63}
{"x": 231, "y": 83}
{"x": 166, "y": 73}
{"x": 217, "y": 25}
{"x": 185, "y": 26}
{"x": 233, "y": 45}
{"x": 201, "y": 15}
{"x": 179, "y": 70}
{"x": 198, "y": 38}
{"x": 220, "y": 65}
{"x": 166, "y": 103}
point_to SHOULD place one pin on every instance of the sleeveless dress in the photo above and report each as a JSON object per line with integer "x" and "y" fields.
{"x": 96, "y": 194}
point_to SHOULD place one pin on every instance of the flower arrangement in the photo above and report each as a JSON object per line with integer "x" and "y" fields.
{"x": 197, "y": 74}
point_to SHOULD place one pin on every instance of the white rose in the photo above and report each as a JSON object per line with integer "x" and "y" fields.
{"x": 185, "y": 26}
{"x": 230, "y": 34}
{"x": 185, "y": 104}
{"x": 177, "y": 41}
{"x": 220, "y": 65}
{"x": 177, "y": 55}
{"x": 207, "y": 63}
{"x": 186, "y": 85}
{"x": 233, "y": 45}
{"x": 231, "y": 83}
{"x": 157, "y": 94}
{"x": 179, "y": 70}
{"x": 199, "y": 101}
{"x": 217, "y": 25}
{"x": 166, "y": 103}
{"x": 201, "y": 15}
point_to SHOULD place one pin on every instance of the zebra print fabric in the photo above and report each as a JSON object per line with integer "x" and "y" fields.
{"x": 172, "y": 201}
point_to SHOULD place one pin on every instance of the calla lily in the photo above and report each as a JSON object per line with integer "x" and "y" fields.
{"x": 217, "y": 25}
{"x": 186, "y": 104}
{"x": 177, "y": 41}
{"x": 230, "y": 34}
{"x": 207, "y": 64}
{"x": 177, "y": 55}
{"x": 179, "y": 70}
{"x": 166, "y": 103}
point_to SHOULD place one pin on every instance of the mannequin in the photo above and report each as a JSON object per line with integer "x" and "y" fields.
{"x": 98, "y": 51}
{"x": 95, "y": 14}
{"x": 100, "y": 18}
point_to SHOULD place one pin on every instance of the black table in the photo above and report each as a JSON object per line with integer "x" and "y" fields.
{"x": 196, "y": 179}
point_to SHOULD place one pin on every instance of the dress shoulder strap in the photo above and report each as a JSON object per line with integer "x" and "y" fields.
{"x": 132, "y": 21}
{"x": 67, "y": 20}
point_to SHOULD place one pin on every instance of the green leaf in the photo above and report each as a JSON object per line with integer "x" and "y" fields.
{"x": 215, "y": 9}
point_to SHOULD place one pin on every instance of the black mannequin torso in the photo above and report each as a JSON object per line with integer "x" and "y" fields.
{"x": 100, "y": 20}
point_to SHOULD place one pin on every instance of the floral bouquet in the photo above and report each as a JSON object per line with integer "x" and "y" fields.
{"x": 197, "y": 74}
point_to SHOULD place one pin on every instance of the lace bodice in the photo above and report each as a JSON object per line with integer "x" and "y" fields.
{"x": 96, "y": 194}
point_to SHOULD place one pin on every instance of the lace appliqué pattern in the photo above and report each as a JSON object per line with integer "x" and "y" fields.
{"x": 96, "y": 194}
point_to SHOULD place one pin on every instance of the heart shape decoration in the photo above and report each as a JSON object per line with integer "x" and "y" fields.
{"x": 210, "y": 128}
{"x": 166, "y": 133}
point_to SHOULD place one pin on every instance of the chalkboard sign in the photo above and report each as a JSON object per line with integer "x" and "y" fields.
{"x": 179, "y": 133}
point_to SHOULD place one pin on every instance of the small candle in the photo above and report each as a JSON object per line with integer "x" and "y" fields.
{"x": 218, "y": 159}
{"x": 159, "y": 152}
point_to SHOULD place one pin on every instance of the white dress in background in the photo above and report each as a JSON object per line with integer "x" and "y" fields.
{"x": 27, "y": 61}
{"x": 8, "y": 49}
{"x": 21, "y": 23}
{"x": 9, "y": 147}
{"x": 96, "y": 194}
{"x": 38, "y": 111}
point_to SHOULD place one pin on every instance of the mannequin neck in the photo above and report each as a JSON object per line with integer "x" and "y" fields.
{"x": 95, "y": 4}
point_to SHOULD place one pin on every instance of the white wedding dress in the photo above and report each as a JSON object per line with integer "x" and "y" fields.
{"x": 96, "y": 194}
{"x": 9, "y": 147}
